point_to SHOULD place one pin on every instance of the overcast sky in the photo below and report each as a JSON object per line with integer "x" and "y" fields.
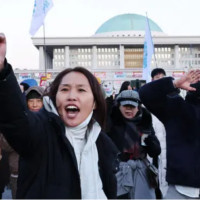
{"x": 83, "y": 17}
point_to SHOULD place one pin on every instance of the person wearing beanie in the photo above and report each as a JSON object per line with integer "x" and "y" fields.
{"x": 126, "y": 85}
{"x": 34, "y": 98}
{"x": 133, "y": 134}
{"x": 34, "y": 103}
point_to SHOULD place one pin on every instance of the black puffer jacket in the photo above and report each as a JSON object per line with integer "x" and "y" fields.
{"x": 48, "y": 167}
{"x": 181, "y": 120}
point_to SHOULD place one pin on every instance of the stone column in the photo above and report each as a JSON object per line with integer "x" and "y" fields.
{"x": 176, "y": 57}
{"x": 121, "y": 53}
{"x": 67, "y": 56}
{"x": 94, "y": 57}
{"x": 41, "y": 58}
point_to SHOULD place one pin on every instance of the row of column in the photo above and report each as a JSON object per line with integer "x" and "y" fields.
{"x": 46, "y": 60}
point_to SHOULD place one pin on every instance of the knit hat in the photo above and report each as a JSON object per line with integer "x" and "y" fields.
{"x": 35, "y": 92}
{"x": 128, "y": 97}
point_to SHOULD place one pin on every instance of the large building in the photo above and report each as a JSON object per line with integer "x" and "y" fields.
{"x": 115, "y": 52}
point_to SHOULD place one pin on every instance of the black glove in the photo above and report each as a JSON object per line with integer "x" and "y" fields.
{"x": 153, "y": 145}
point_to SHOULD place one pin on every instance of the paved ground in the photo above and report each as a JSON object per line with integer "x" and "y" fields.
{"x": 7, "y": 194}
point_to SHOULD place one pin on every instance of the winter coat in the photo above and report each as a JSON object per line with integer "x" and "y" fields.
{"x": 142, "y": 123}
{"x": 181, "y": 120}
{"x": 126, "y": 134}
{"x": 13, "y": 157}
{"x": 48, "y": 167}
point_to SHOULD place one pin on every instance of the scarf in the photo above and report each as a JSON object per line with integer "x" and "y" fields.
{"x": 83, "y": 140}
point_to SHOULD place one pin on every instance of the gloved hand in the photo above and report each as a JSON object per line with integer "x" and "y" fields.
{"x": 153, "y": 145}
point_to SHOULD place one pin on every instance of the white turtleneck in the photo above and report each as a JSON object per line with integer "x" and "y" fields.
{"x": 77, "y": 137}
{"x": 84, "y": 144}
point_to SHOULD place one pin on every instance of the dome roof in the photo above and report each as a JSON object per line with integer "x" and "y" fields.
{"x": 127, "y": 22}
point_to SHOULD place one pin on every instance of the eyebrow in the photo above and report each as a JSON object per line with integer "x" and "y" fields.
{"x": 80, "y": 85}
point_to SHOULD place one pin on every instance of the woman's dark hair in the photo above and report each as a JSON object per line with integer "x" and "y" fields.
{"x": 100, "y": 111}
{"x": 25, "y": 85}
{"x": 124, "y": 86}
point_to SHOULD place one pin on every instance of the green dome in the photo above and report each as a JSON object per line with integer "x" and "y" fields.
{"x": 127, "y": 22}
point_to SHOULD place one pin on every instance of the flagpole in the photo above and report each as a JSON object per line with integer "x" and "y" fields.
{"x": 40, "y": 10}
{"x": 148, "y": 51}
{"x": 151, "y": 37}
{"x": 44, "y": 39}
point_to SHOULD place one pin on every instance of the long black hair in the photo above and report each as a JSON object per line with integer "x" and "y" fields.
{"x": 124, "y": 86}
{"x": 100, "y": 111}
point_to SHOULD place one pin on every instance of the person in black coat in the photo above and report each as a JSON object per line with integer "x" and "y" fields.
{"x": 126, "y": 85}
{"x": 133, "y": 134}
{"x": 64, "y": 154}
{"x": 4, "y": 171}
{"x": 181, "y": 120}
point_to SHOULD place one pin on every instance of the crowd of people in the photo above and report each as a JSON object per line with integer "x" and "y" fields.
{"x": 60, "y": 143}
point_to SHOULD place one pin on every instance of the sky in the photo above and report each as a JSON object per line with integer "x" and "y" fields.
{"x": 83, "y": 17}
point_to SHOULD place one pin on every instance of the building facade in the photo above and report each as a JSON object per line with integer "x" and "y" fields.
{"x": 115, "y": 52}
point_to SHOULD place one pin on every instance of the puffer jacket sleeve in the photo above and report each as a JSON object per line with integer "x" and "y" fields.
{"x": 14, "y": 116}
{"x": 152, "y": 143}
{"x": 152, "y": 146}
{"x": 155, "y": 97}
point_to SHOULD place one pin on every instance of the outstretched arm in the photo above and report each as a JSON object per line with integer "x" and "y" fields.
{"x": 16, "y": 121}
{"x": 2, "y": 50}
{"x": 188, "y": 78}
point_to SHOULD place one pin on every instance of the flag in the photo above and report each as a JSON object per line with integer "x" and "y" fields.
{"x": 41, "y": 7}
{"x": 148, "y": 52}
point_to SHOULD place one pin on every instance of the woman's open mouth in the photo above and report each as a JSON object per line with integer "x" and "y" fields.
{"x": 72, "y": 111}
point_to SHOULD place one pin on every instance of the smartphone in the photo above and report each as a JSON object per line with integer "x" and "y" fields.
{"x": 143, "y": 138}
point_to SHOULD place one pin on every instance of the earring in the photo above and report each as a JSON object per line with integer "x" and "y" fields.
{"x": 94, "y": 106}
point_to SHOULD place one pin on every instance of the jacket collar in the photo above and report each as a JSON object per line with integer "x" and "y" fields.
{"x": 58, "y": 123}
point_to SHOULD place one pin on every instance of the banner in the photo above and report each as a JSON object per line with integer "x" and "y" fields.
{"x": 43, "y": 80}
{"x": 41, "y": 7}
{"x": 178, "y": 74}
{"x": 120, "y": 75}
{"x": 148, "y": 52}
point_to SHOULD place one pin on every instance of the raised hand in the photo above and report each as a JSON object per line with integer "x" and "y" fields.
{"x": 188, "y": 78}
{"x": 2, "y": 50}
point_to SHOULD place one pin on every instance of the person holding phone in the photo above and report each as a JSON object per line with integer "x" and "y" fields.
{"x": 133, "y": 134}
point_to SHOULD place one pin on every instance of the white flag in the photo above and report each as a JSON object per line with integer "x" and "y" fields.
{"x": 41, "y": 7}
{"x": 148, "y": 52}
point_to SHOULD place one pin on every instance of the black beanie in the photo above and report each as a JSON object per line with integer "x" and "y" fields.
{"x": 34, "y": 92}
{"x": 33, "y": 95}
